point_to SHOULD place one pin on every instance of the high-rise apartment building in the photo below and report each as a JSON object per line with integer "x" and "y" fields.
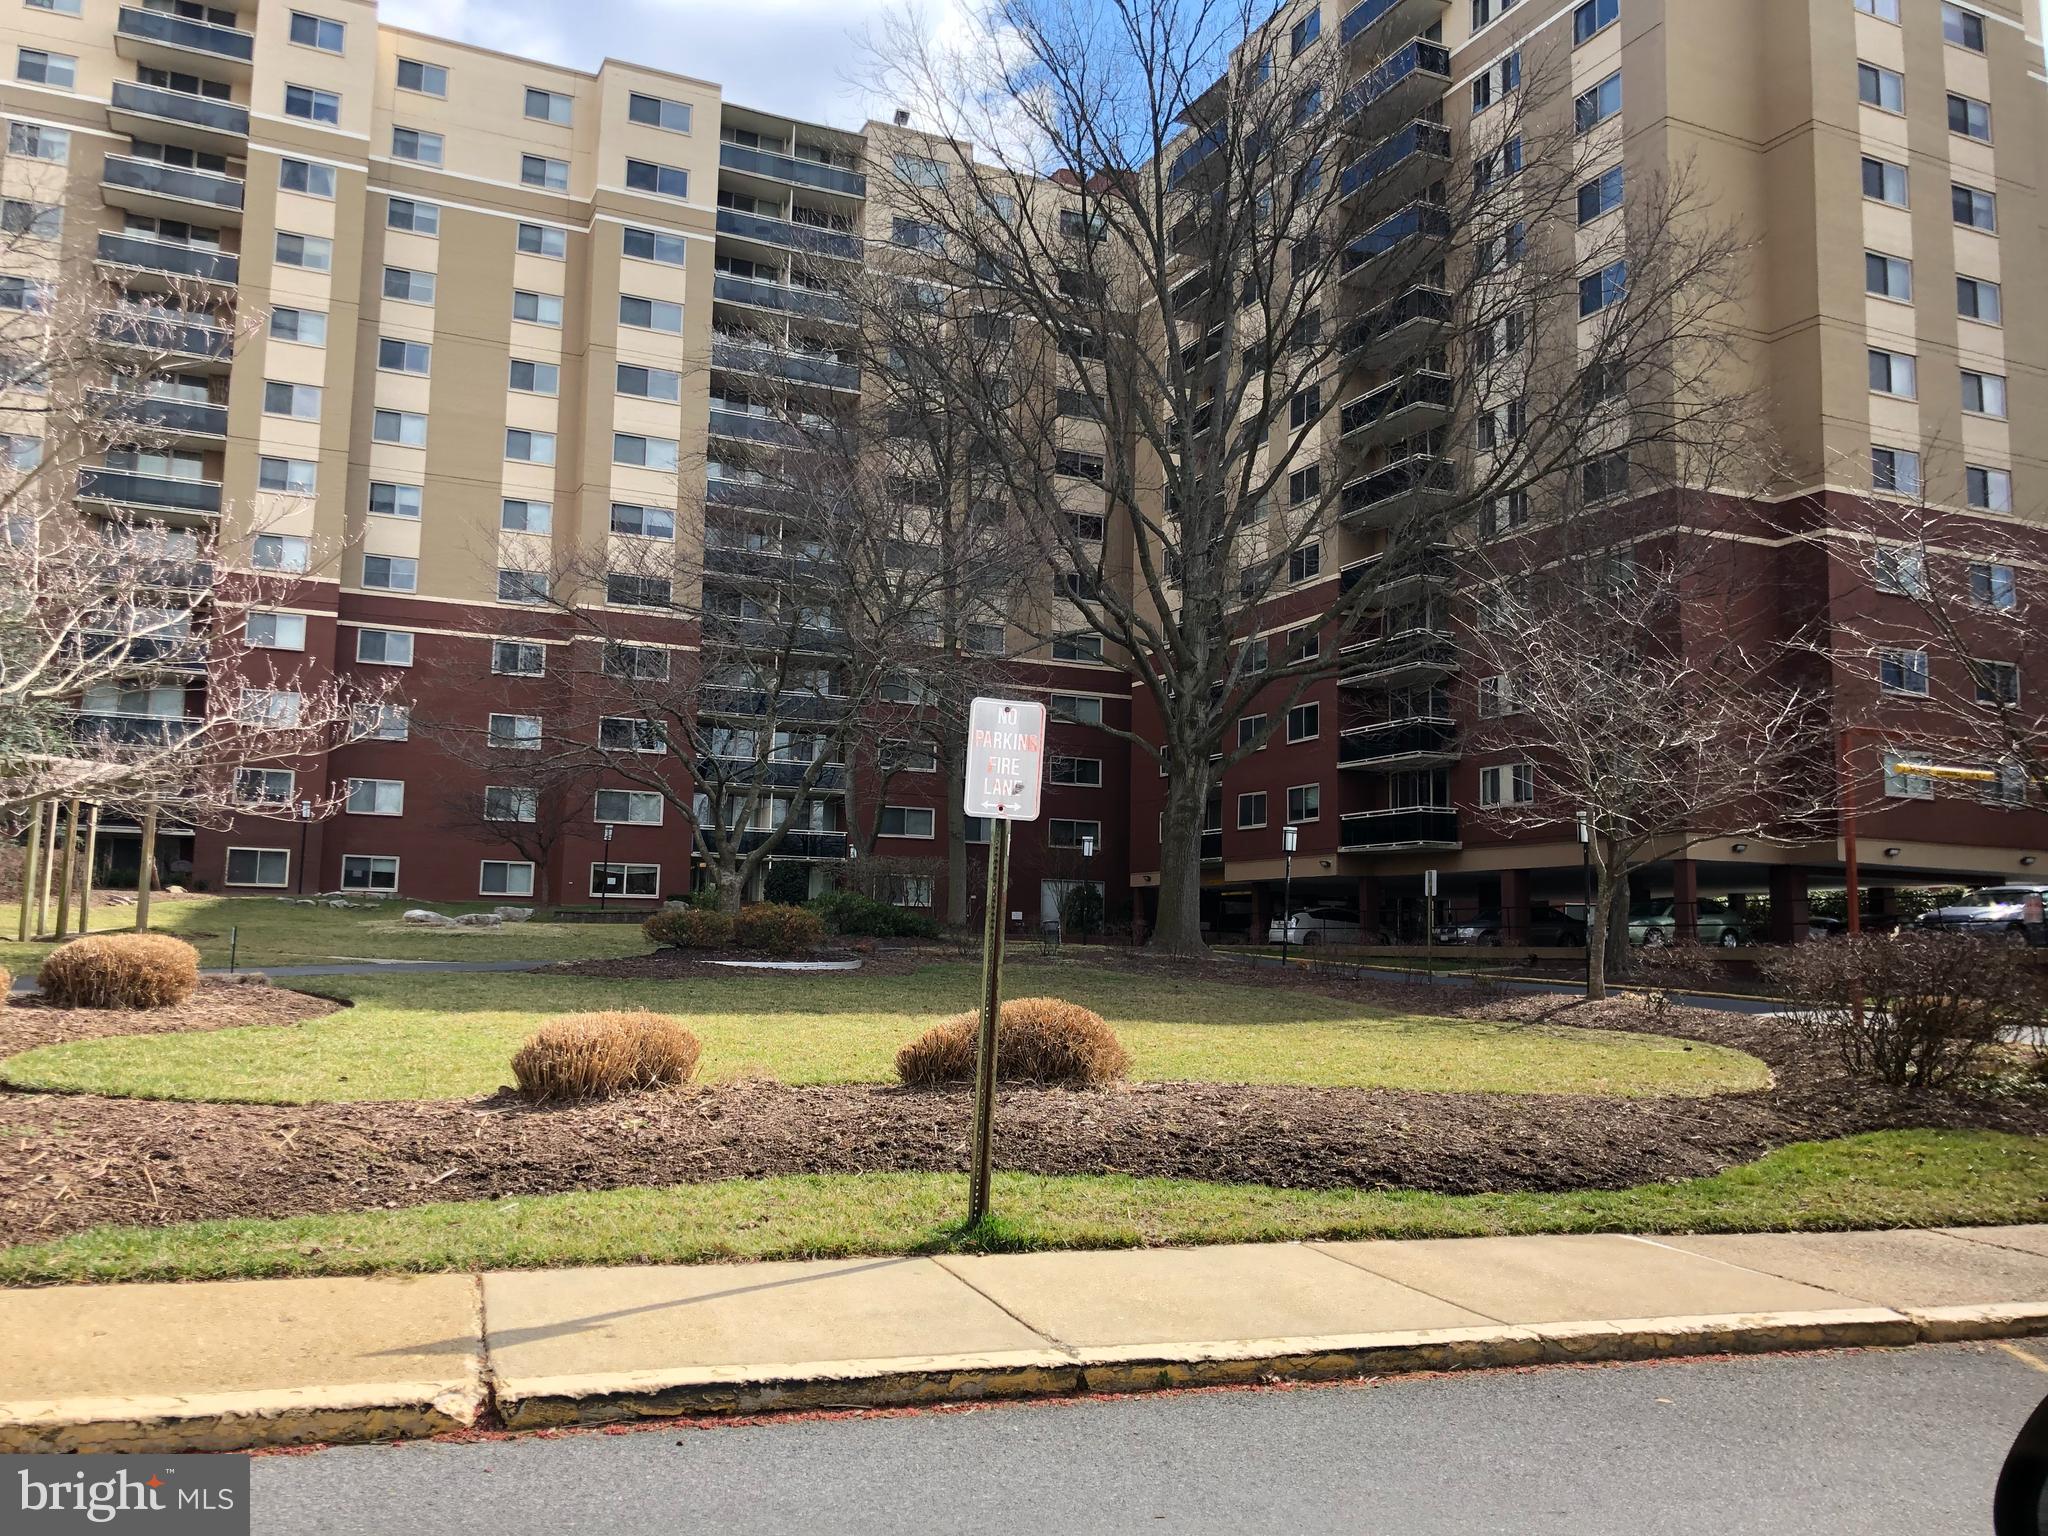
{"x": 513, "y": 310}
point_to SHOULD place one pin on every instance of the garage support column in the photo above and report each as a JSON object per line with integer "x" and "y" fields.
{"x": 1514, "y": 906}
{"x": 1685, "y": 901}
{"x": 1789, "y": 911}
{"x": 1369, "y": 908}
{"x": 1265, "y": 912}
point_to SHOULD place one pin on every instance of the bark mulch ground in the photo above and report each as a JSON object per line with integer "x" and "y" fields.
{"x": 219, "y": 1003}
{"x": 679, "y": 964}
{"x": 72, "y": 1162}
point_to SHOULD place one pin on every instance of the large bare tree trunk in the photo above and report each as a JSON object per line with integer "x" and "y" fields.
{"x": 1179, "y": 929}
{"x": 952, "y": 763}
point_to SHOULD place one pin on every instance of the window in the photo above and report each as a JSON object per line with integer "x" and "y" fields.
{"x": 42, "y": 221}
{"x": 516, "y": 732}
{"x": 1076, "y": 708}
{"x": 268, "y": 706}
{"x": 317, "y": 32}
{"x": 42, "y": 67}
{"x": 406, "y": 428}
{"x": 1902, "y": 672}
{"x": 1305, "y": 31}
{"x": 1884, "y": 181}
{"x": 1081, "y": 772}
{"x": 1963, "y": 28}
{"x": 1494, "y": 83}
{"x": 1305, "y": 563}
{"x": 1249, "y": 729}
{"x": 1599, "y": 290}
{"x": 1979, "y": 300}
{"x": 544, "y": 240}
{"x": 308, "y": 327}
{"x": 658, "y": 112}
{"x": 518, "y": 658}
{"x": 906, "y": 821}
{"x": 1984, "y": 393}
{"x": 304, "y": 176}
{"x": 548, "y": 106}
{"x": 1594, "y": 16}
{"x": 540, "y": 171}
{"x": 1974, "y": 209}
{"x": 300, "y": 400}
{"x": 368, "y": 872}
{"x": 652, "y": 245}
{"x": 1889, "y": 277}
{"x": 33, "y": 141}
{"x": 662, "y": 180}
{"x": 1305, "y": 803}
{"x": 1061, "y": 833}
{"x": 1893, "y": 373}
{"x": 525, "y": 446}
{"x": 385, "y": 722}
{"x": 427, "y": 79}
{"x": 645, "y": 452}
{"x": 626, "y": 879}
{"x": 1304, "y": 722}
{"x": 314, "y": 106}
{"x": 417, "y": 145}
{"x": 1997, "y": 682}
{"x": 390, "y": 499}
{"x": 1882, "y": 88}
{"x": 1895, "y": 471}
{"x": 376, "y": 797}
{"x": 639, "y": 807}
{"x": 397, "y": 356}
{"x": 1899, "y": 568}
{"x": 258, "y": 866}
{"x": 297, "y": 477}
{"x": 524, "y": 587}
{"x": 263, "y": 786}
{"x": 1905, "y": 786}
{"x": 1496, "y": 696}
{"x": 649, "y": 383}
{"x": 1969, "y": 117}
{"x": 407, "y": 286}
{"x": 280, "y": 552}
{"x": 916, "y": 234}
{"x": 276, "y": 631}
{"x": 1994, "y": 586}
{"x": 384, "y": 647}
{"x": 643, "y": 522}
{"x": 1988, "y": 490}
{"x": 1883, "y": 10}
{"x": 536, "y": 308}
{"x": 391, "y": 573}
{"x": 635, "y": 661}
{"x": 1605, "y": 477}
{"x": 417, "y": 218}
{"x": 650, "y": 314}
{"x": 1077, "y": 647}
{"x": 1596, "y": 106}
{"x": 1601, "y": 195}
{"x": 1251, "y": 810}
{"x": 1509, "y": 784}
{"x": 507, "y": 803}
{"x": 629, "y": 591}
{"x": 533, "y": 378}
{"x": 59, "y": 7}
{"x": 313, "y": 252}
{"x": 503, "y": 877}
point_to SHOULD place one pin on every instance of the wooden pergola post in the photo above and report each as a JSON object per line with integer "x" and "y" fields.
{"x": 31, "y": 845}
{"x": 70, "y": 859}
{"x": 49, "y": 868}
{"x": 144, "y": 870}
{"x": 92, "y": 848}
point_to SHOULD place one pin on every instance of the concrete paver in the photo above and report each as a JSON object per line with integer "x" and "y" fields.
{"x": 1580, "y": 1278}
{"x": 2030, "y": 1239}
{"x": 1887, "y": 1269}
{"x": 1201, "y": 1295}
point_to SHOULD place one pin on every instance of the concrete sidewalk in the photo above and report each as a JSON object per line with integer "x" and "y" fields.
{"x": 274, "y": 1362}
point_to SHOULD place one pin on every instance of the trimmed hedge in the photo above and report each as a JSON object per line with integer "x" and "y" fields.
{"x": 595, "y": 1055}
{"x": 120, "y": 970}
{"x": 857, "y": 916}
{"x": 1038, "y": 1040}
{"x": 689, "y": 928}
{"x": 776, "y": 929}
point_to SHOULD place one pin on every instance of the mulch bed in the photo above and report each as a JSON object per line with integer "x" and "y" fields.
{"x": 219, "y": 1003}
{"x": 686, "y": 964}
{"x": 72, "y": 1162}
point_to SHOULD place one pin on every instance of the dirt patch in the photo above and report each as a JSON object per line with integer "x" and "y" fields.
{"x": 218, "y": 1003}
{"x": 683, "y": 964}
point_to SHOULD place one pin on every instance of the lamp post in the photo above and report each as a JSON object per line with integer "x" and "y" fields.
{"x": 1087, "y": 853}
{"x": 1586, "y": 884}
{"x": 1289, "y": 836}
{"x": 604, "y": 872}
{"x": 305, "y": 821}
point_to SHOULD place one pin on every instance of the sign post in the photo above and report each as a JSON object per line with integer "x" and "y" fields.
{"x": 1429, "y": 922}
{"x": 1005, "y": 766}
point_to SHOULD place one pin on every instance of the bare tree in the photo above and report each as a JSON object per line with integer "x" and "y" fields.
{"x": 529, "y": 798}
{"x": 1261, "y": 295}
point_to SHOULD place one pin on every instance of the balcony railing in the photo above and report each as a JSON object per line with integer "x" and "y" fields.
{"x": 178, "y": 32}
{"x": 203, "y": 112}
{"x": 771, "y": 635}
{"x": 1212, "y": 846}
{"x": 1408, "y": 15}
{"x": 785, "y": 298}
{"x": 831, "y": 777}
{"x": 1420, "y": 826}
{"x": 186, "y": 418}
{"x": 1408, "y": 655}
{"x": 203, "y": 262}
{"x": 163, "y": 653}
{"x": 165, "y": 574}
{"x": 792, "y": 367}
{"x": 1190, "y": 159}
{"x": 1410, "y": 404}
{"x": 1398, "y": 742}
{"x": 753, "y": 427}
{"x": 1409, "y": 78}
{"x": 791, "y": 235}
{"x": 793, "y": 168}
{"x": 135, "y": 174}
{"x": 761, "y": 704}
{"x": 1386, "y": 497}
{"x": 798, "y": 844}
{"x": 1418, "y": 221}
{"x": 1420, "y": 148}
{"x": 165, "y": 492}
{"x": 131, "y": 730}
{"x": 164, "y": 333}
{"x": 1435, "y": 563}
{"x": 1400, "y": 327}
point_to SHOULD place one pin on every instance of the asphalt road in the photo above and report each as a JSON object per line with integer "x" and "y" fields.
{"x": 1842, "y": 1444}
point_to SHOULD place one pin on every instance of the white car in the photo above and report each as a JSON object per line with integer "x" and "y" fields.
{"x": 1317, "y": 925}
{"x": 2009, "y": 912}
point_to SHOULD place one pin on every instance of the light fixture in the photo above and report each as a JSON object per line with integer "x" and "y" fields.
{"x": 1326, "y": 864}
{"x": 1891, "y": 853}
{"x": 2027, "y": 861}
{"x": 1738, "y": 847}
{"x": 1087, "y": 846}
{"x": 1290, "y": 836}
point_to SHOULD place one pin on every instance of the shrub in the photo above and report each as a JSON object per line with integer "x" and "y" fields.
{"x": 1913, "y": 1011}
{"x": 776, "y": 929}
{"x": 854, "y": 915}
{"x": 1038, "y": 1040}
{"x": 689, "y": 928}
{"x": 120, "y": 970}
{"x": 595, "y": 1055}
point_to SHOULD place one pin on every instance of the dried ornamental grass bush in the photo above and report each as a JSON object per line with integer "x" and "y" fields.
{"x": 596, "y": 1055}
{"x": 120, "y": 970}
{"x": 776, "y": 929}
{"x": 689, "y": 928}
{"x": 1038, "y": 1040}
{"x": 1912, "y": 1011}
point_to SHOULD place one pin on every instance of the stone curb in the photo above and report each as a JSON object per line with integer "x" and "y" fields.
{"x": 241, "y": 1421}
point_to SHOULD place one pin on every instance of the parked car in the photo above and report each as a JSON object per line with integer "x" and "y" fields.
{"x": 2009, "y": 912}
{"x": 1656, "y": 922}
{"x": 1317, "y": 925}
{"x": 1818, "y": 927}
{"x": 1548, "y": 928}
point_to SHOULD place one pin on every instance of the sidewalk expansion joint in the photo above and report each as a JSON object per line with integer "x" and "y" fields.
{"x": 488, "y": 1415}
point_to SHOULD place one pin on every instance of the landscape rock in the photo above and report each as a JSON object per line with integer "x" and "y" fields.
{"x": 514, "y": 914}
{"x": 480, "y": 920}
{"x": 420, "y": 917}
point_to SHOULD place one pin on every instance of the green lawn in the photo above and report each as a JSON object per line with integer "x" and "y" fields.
{"x": 1891, "y": 1179}
{"x": 449, "y": 1036}
{"x": 278, "y": 933}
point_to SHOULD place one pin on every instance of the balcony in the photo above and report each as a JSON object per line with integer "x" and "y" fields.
{"x": 157, "y": 493}
{"x": 154, "y": 653}
{"x": 169, "y": 575}
{"x": 131, "y": 730}
{"x": 793, "y": 169}
{"x": 752, "y": 427}
{"x": 831, "y": 779}
{"x": 1212, "y": 846}
{"x": 777, "y": 363}
{"x": 1417, "y": 402}
{"x": 1400, "y": 18}
{"x": 1410, "y": 236}
{"x": 1415, "y": 486}
{"x": 189, "y": 345}
{"x": 782, "y": 298}
{"x": 1191, "y": 159}
{"x": 1406, "y": 83}
{"x": 1399, "y": 329}
{"x": 179, "y": 117}
{"x": 770, "y": 636}
{"x": 1402, "y": 166}
{"x": 169, "y": 259}
{"x": 758, "y": 703}
{"x": 170, "y": 191}
{"x": 174, "y": 42}
{"x": 762, "y": 564}
{"x": 789, "y": 235}
{"x": 1418, "y": 826}
{"x": 1400, "y": 581}
{"x": 798, "y": 844}
{"x": 1420, "y": 742}
{"x": 169, "y": 419}
{"x": 1405, "y": 656}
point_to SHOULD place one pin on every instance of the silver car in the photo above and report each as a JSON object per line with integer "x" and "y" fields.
{"x": 2009, "y": 912}
{"x": 1317, "y": 925}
